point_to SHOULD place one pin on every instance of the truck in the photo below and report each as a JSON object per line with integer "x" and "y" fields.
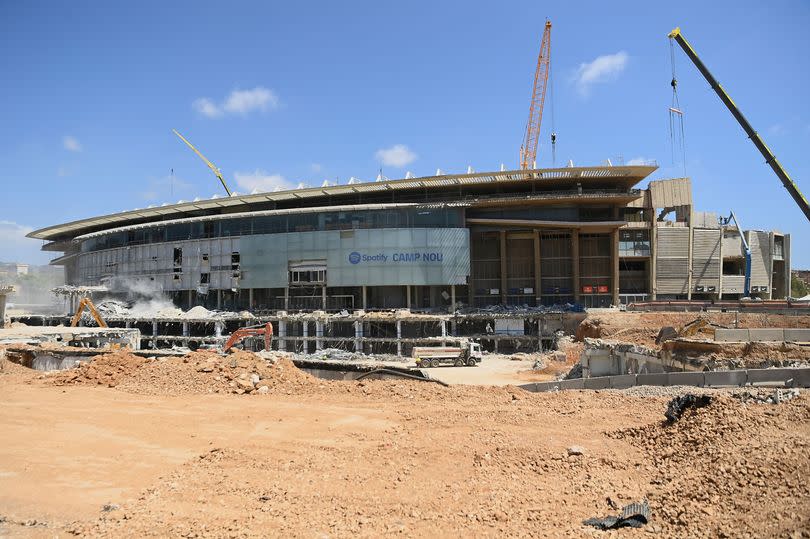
{"x": 467, "y": 353}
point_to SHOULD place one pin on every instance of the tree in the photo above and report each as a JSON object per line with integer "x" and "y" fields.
{"x": 798, "y": 288}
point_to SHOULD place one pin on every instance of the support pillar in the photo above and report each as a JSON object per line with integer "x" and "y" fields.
{"x": 399, "y": 338}
{"x": 452, "y": 298}
{"x": 575, "y": 264}
{"x": 250, "y": 299}
{"x": 443, "y": 324}
{"x": 614, "y": 274}
{"x": 503, "y": 267}
{"x": 185, "y": 329}
{"x": 2, "y": 310}
{"x": 323, "y": 298}
{"x": 286, "y": 298}
{"x": 282, "y": 333}
{"x": 218, "y": 327}
{"x": 219, "y": 300}
{"x": 365, "y": 297}
{"x": 408, "y": 296}
{"x": 190, "y": 301}
{"x": 318, "y": 334}
{"x": 689, "y": 265}
{"x": 653, "y": 253}
{"x": 305, "y": 333}
{"x": 154, "y": 333}
{"x": 537, "y": 272}
{"x": 358, "y": 336}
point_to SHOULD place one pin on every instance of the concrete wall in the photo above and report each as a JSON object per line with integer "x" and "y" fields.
{"x": 762, "y": 334}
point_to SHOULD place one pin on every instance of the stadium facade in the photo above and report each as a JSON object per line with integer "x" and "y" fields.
{"x": 538, "y": 237}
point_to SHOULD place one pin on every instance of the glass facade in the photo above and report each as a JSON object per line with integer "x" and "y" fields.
{"x": 279, "y": 224}
{"x": 634, "y": 243}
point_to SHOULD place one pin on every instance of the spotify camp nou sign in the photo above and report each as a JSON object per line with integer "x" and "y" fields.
{"x": 396, "y": 258}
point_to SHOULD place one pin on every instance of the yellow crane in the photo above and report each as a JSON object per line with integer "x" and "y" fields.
{"x": 207, "y": 162}
{"x": 770, "y": 158}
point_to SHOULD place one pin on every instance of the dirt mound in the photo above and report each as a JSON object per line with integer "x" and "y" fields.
{"x": 198, "y": 372}
{"x": 106, "y": 369}
{"x": 721, "y": 467}
{"x": 590, "y": 327}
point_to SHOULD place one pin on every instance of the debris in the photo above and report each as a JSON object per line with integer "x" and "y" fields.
{"x": 576, "y": 450}
{"x": 635, "y": 515}
{"x": 679, "y": 405}
{"x": 778, "y": 396}
{"x": 107, "y": 507}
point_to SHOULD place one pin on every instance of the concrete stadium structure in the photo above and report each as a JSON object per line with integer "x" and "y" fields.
{"x": 537, "y": 237}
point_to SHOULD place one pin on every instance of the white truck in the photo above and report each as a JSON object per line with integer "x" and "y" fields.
{"x": 468, "y": 353}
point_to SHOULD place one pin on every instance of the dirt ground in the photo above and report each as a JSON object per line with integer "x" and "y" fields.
{"x": 161, "y": 453}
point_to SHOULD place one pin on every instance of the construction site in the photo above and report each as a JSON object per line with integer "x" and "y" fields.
{"x": 545, "y": 352}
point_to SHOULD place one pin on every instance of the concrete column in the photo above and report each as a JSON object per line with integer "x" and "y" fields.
{"x": 323, "y": 298}
{"x": 282, "y": 333}
{"x": 305, "y": 333}
{"x": 218, "y": 327}
{"x": 453, "y": 298}
{"x": 219, "y": 299}
{"x": 720, "y": 277}
{"x": 318, "y": 335}
{"x": 771, "y": 242}
{"x": 287, "y": 298}
{"x": 358, "y": 336}
{"x": 443, "y": 325}
{"x": 190, "y": 302}
{"x": 408, "y": 296}
{"x": 365, "y": 297}
{"x": 503, "y": 267}
{"x": 575, "y": 264}
{"x": 537, "y": 273}
{"x": 614, "y": 274}
{"x": 250, "y": 299}
{"x": 185, "y": 329}
{"x": 689, "y": 264}
{"x": 653, "y": 251}
{"x": 154, "y": 333}
{"x": 2, "y": 310}
{"x": 540, "y": 334}
{"x": 399, "y": 338}
{"x": 128, "y": 324}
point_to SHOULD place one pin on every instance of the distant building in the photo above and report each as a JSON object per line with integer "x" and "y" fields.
{"x": 521, "y": 237}
{"x": 13, "y": 269}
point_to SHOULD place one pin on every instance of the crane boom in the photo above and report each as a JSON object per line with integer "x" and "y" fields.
{"x": 770, "y": 159}
{"x": 207, "y": 162}
{"x": 528, "y": 152}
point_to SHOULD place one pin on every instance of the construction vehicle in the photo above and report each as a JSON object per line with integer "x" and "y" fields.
{"x": 689, "y": 329}
{"x": 211, "y": 165}
{"x": 770, "y": 159}
{"x": 747, "y": 282}
{"x": 88, "y": 304}
{"x": 433, "y": 356}
{"x": 528, "y": 151}
{"x": 241, "y": 334}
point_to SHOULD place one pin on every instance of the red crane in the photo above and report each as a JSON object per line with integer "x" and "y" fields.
{"x": 528, "y": 151}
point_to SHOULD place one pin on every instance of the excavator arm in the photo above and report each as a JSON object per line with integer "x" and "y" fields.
{"x": 87, "y": 303}
{"x": 243, "y": 333}
{"x": 770, "y": 158}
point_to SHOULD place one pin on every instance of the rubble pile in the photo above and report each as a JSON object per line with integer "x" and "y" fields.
{"x": 199, "y": 372}
{"x": 748, "y": 460}
{"x": 105, "y": 369}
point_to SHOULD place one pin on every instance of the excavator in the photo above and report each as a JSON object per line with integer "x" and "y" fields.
{"x": 689, "y": 329}
{"x": 87, "y": 303}
{"x": 254, "y": 331}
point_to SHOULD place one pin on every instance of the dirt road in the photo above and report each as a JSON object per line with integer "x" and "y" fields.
{"x": 378, "y": 458}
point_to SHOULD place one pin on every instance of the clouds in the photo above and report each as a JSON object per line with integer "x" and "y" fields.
{"x": 397, "y": 155}
{"x": 238, "y": 102}
{"x": 259, "y": 180}
{"x": 18, "y": 248}
{"x": 602, "y": 69}
{"x": 71, "y": 144}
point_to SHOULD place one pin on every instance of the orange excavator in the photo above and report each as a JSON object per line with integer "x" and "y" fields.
{"x": 255, "y": 331}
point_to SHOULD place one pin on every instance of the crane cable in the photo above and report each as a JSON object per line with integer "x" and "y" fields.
{"x": 677, "y": 137}
{"x": 553, "y": 131}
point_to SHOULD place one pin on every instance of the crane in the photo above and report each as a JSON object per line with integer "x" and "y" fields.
{"x": 528, "y": 151}
{"x": 207, "y": 162}
{"x": 747, "y": 282}
{"x": 770, "y": 158}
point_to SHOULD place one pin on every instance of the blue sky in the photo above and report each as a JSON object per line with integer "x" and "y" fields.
{"x": 283, "y": 93}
